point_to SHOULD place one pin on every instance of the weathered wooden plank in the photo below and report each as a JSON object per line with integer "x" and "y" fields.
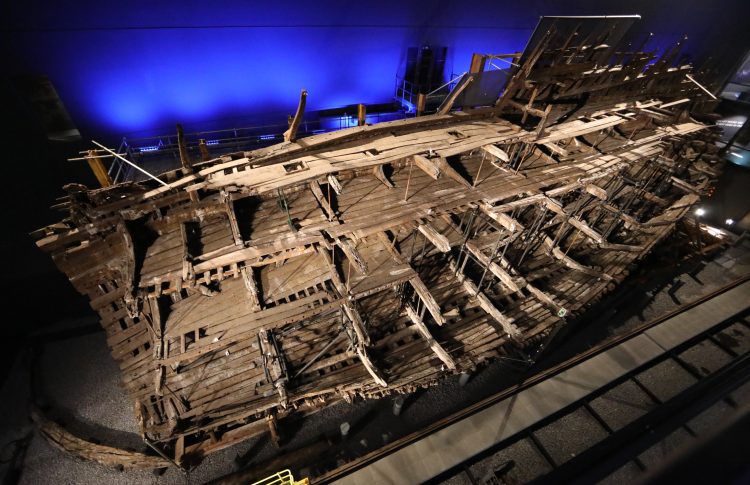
{"x": 434, "y": 345}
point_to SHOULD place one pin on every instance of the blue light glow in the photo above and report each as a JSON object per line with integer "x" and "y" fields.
{"x": 410, "y": 108}
{"x": 136, "y": 68}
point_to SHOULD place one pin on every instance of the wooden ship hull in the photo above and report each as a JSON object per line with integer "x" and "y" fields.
{"x": 377, "y": 259}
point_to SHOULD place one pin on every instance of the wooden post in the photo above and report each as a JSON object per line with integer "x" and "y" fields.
{"x": 291, "y": 133}
{"x": 477, "y": 63}
{"x": 273, "y": 428}
{"x": 361, "y": 114}
{"x": 97, "y": 166}
{"x": 421, "y": 103}
{"x": 187, "y": 166}
{"x": 205, "y": 156}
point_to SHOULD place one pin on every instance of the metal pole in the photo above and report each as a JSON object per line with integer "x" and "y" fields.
{"x": 408, "y": 180}
{"x": 700, "y": 86}
{"x": 130, "y": 163}
{"x": 476, "y": 181}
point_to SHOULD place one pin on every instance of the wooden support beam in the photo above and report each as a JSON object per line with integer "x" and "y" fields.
{"x": 357, "y": 323}
{"x": 187, "y": 165}
{"x": 377, "y": 171}
{"x": 375, "y": 373}
{"x": 273, "y": 428}
{"x": 335, "y": 184}
{"x": 628, "y": 220}
{"x": 539, "y": 130}
{"x": 513, "y": 226}
{"x": 496, "y": 152}
{"x": 447, "y": 103}
{"x": 97, "y": 166}
{"x": 157, "y": 328}
{"x": 513, "y": 283}
{"x": 504, "y": 277}
{"x": 684, "y": 186}
{"x": 291, "y": 133}
{"x": 644, "y": 194}
{"x": 421, "y": 103}
{"x": 571, "y": 263}
{"x": 526, "y": 201}
{"x": 534, "y": 92}
{"x": 232, "y": 217}
{"x": 579, "y": 224}
{"x": 274, "y": 365}
{"x": 504, "y": 220}
{"x": 438, "y": 240}
{"x": 335, "y": 278}
{"x": 350, "y": 250}
{"x": 557, "y": 149}
{"x": 429, "y": 301}
{"x": 427, "y": 166}
{"x": 445, "y": 168}
{"x": 322, "y": 201}
{"x": 389, "y": 246}
{"x": 349, "y": 309}
{"x": 253, "y": 294}
{"x": 621, "y": 247}
{"x": 525, "y": 109}
{"x": 425, "y": 332}
{"x": 596, "y": 191}
{"x": 188, "y": 274}
{"x": 546, "y": 300}
{"x": 484, "y": 303}
{"x": 416, "y": 282}
{"x": 477, "y": 63}
{"x": 179, "y": 449}
{"x": 361, "y": 114}
{"x": 203, "y": 148}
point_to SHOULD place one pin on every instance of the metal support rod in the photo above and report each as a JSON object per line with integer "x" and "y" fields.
{"x": 444, "y": 85}
{"x": 531, "y": 236}
{"x": 489, "y": 261}
{"x": 700, "y": 86}
{"x": 408, "y": 180}
{"x": 476, "y": 180}
{"x": 467, "y": 231}
{"x": 163, "y": 455}
{"x": 130, "y": 163}
{"x": 323, "y": 351}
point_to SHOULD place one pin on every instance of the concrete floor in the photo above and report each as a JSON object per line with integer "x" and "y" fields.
{"x": 80, "y": 381}
{"x": 578, "y": 430}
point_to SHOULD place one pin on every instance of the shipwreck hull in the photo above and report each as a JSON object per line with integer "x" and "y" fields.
{"x": 381, "y": 258}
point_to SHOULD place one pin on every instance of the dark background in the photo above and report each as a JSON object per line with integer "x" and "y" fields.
{"x": 134, "y": 68}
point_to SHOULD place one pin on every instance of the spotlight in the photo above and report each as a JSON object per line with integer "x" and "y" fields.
{"x": 729, "y": 222}
{"x": 700, "y": 211}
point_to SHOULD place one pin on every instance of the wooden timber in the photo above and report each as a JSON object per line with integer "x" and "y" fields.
{"x": 287, "y": 278}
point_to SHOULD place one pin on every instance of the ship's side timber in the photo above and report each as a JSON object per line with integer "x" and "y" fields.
{"x": 377, "y": 259}
{"x": 435, "y": 279}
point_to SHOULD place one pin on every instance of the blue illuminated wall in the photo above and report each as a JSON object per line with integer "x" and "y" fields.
{"x": 127, "y": 67}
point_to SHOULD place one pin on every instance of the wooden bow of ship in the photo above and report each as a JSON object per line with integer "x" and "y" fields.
{"x": 378, "y": 259}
